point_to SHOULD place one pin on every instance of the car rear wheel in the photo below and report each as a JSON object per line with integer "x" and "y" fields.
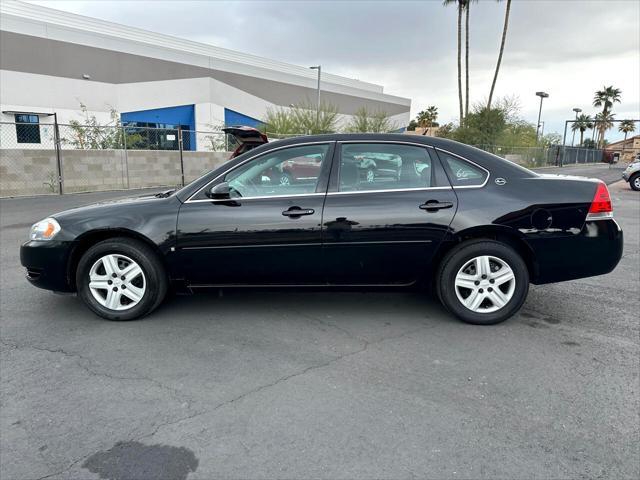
{"x": 483, "y": 282}
{"x": 121, "y": 279}
{"x": 635, "y": 182}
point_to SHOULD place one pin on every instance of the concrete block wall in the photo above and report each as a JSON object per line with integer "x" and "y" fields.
{"x": 27, "y": 172}
{"x": 34, "y": 172}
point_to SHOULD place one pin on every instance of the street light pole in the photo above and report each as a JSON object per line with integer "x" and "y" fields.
{"x": 573, "y": 138}
{"x": 319, "y": 68}
{"x": 542, "y": 96}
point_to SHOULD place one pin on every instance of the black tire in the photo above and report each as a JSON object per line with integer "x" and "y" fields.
{"x": 633, "y": 180}
{"x": 155, "y": 277}
{"x": 460, "y": 255}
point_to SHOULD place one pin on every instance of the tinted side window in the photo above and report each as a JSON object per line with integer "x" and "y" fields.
{"x": 289, "y": 171}
{"x": 383, "y": 166}
{"x": 462, "y": 173}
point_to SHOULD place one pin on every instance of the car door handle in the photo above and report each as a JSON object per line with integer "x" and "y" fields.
{"x": 298, "y": 212}
{"x": 434, "y": 205}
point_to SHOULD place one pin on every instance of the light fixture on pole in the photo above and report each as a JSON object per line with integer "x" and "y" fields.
{"x": 319, "y": 68}
{"x": 542, "y": 96}
{"x": 577, "y": 110}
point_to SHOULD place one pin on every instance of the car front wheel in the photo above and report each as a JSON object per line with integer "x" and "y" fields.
{"x": 635, "y": 182}
{"x": 121, "y": 279}
{"x": 483, "y": 282}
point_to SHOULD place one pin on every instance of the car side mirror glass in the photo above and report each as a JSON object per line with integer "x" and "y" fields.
{"x": 221, "y": 191}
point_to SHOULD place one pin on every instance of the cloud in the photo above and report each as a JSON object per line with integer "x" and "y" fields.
{"x": 568, "y": 48}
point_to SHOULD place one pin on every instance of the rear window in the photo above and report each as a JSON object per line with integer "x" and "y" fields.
{"x": 461, "y": 172}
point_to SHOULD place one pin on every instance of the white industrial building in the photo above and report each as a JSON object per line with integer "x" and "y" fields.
{"x": 52, "y": 61}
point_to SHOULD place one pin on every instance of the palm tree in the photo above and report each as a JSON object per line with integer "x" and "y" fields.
{"x": 582, "y": 123}
{"x": 604, "y": 121}
{"x": 466, "y": 57}
{"x": 626, "y": 126}
{"x": 461, "y": 6}
{"x": 427, "y": 118}
{"x": 504, "y": 37}
{"x": 605, "y": 98}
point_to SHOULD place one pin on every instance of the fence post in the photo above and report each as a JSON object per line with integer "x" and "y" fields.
{"x": 56, "y": 141}
{"x": 181, "y": 157}
{"x": 126, "y": 155}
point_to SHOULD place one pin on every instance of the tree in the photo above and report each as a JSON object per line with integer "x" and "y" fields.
{"x": 89, "y": 134}
{"x": 365, "y": 121}
{"x": 446, "y": 130}
{"x": 301, "y": 119}
{"x": 626, "y": 127}
{"x": 588, "y": 143}
{"x": 461, "y": 6}
{"x": 504, "y": 37}
{"x": 280, "y": 121}
{"x": 427, "y": 118}
{"x": 605, "y": 98}
{"x": 481, "y": 127}
{"x": 583, "y": 122}
{"x": 604, "y": 121}
{"x": 412, "y": 126}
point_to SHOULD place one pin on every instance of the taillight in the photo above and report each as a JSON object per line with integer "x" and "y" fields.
{"x": 601, "y": 204}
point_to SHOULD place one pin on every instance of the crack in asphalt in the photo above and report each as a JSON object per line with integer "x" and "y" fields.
{"x": 174, "y": 392}
{"x": 366, "y": 345}
{"x": 364, "y": 348}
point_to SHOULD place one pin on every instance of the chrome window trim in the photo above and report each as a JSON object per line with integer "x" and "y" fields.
{"x": 189, "y": 200}
{"x": 469, "y": 161}
{"x": 260, "y": 197}
{"x": 390, "y": 190}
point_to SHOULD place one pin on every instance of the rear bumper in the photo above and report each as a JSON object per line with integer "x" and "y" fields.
{"x": 47, "y": 264}
{"x": 596, "y": 250}
{"x": 625, "y": 176}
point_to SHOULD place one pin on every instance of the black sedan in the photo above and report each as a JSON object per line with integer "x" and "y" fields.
{"x": 476, "y": 227}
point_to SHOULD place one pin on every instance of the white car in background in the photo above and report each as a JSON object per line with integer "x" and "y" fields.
{"x": 632, "y": 173}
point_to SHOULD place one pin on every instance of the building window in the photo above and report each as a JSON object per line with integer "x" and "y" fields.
{"x": 27, "y": 128}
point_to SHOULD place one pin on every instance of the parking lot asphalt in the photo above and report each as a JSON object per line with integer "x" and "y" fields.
{"x": 281, "y": 384}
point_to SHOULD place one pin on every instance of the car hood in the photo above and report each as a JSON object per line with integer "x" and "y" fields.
{"x": 124, "y": 206}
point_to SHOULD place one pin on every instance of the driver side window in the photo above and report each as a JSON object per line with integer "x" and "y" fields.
{"x": 289, "y": 171}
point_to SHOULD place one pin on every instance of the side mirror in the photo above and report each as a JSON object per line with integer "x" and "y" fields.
{"x": 220, "y": 191}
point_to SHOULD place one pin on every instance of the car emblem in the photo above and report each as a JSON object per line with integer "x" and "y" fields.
{"x": 500, "y": 181}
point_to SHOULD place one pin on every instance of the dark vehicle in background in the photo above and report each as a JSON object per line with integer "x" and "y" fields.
{"x": 246, "y": 138}
{"x": 476, "y": 227}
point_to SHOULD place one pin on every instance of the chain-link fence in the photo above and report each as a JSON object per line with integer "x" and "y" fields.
{"x": 554, "y": 155}
{"x": 40, "y": 159}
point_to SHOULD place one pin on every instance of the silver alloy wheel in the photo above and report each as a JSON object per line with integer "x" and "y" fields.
{"x": 371, "y": 176}
{"x": 636, "y": 182}
{"x": 485, "y": 284}
{"x": 285, "y": 180}
{"x": 117, "y": 282}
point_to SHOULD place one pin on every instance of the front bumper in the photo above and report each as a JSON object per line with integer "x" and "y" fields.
{"x": 47, "y": 264}
{"x": 625, "y": 176}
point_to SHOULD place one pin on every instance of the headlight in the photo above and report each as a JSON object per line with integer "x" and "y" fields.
{"x": 44, "y": 230}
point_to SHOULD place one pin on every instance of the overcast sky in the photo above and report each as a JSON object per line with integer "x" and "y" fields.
{"x": 568, "y": 48}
